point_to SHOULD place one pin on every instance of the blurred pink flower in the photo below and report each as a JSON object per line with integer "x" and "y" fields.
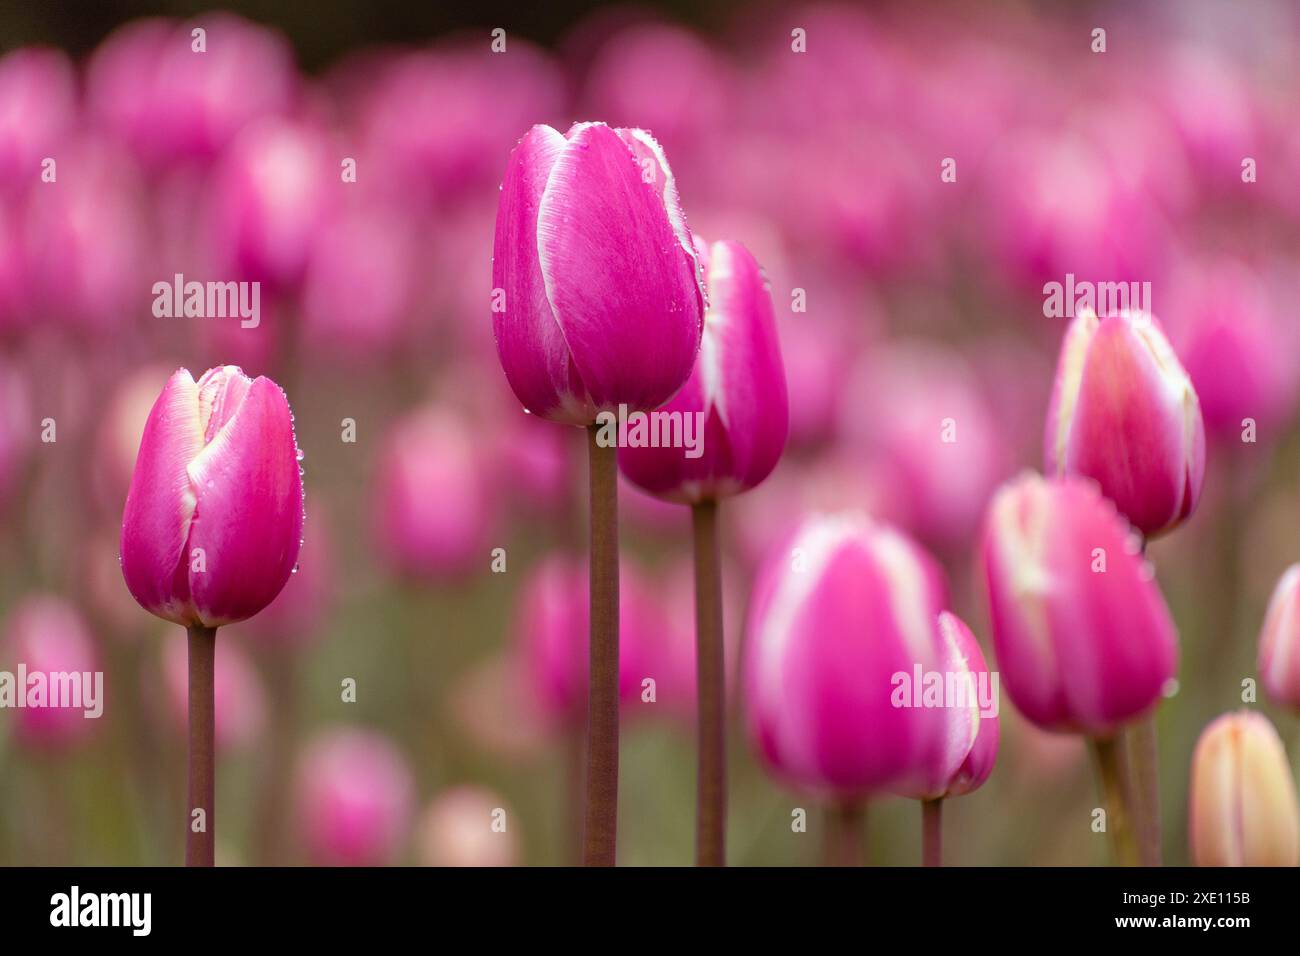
{"x": 1279, "y": 642}
{"x": 550, "y": 626}
{"x": 468, "y": 826}
{"x": 917, "y": 415}
{"x": 239, "y": 695}
{"x": 354, "y": 798}
{"x": 38, "y": 105}
{"x": 1083, "y": 637}
{"x": 148, "y": 85}
{"x": 48, "y": 636}
{"x": 433, "y": 510}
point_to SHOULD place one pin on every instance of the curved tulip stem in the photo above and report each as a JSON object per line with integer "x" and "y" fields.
{"x": 202, "y": 760}
{"x": 602, "y": 691}
{"x": 1117, "y": 792}
{"x": 1143, "y": 755}
{"x": 932, "y": 832}
{"x": 711, "y": 692}
{"x": 846, "y": 834}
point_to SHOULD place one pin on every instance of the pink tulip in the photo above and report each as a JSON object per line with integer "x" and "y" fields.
{"x": 1124, "y": 413}
{"x": 838, "y": 612}
{"x": 1084, "y": 640}
{"x": 433, "y": 514}
{"x": 918, "y": 417}
{"x": 214, "y": 517}
{"x": 84, "y": 239}
{"x": 296, "y": 618}
{"x": 551, "y": 626}
{"x": 1237, "y": 351}
{"x": 38, "y": 105}
{"x": 48, "y": 636}
{"x": 435, "y": 122}
{"x": 168, "y": 102}
{"x": 1242, "y": 800}
{"x": 737, "y": 387}
{"x": 273, "y": 190}
{"x": 1279, "y": 641}
{"x": 600, "y": 297}
{"x": 357, "y": 291}
{"x": 354, "y": 797}
{"x": 239, "y": 697}
{"x": 468, "y": 826}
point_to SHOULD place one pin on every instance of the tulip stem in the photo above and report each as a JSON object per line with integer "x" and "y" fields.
{"x": 202, "y": 759}
{"x": 932, "y": 832}
{"x": 711, "y": 692}
{"x": 1117, "y": 792}
{"x": 846, "y": 840}
{"x": 1143, "y": 755}
{"x": 601, "y": 827}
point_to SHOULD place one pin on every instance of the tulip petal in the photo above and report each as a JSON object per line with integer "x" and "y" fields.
{"x": 531, "y": 346}
{"x": 161, "y": 502}
{"x": 629, "y": 309}
{"x": 248, "y": 476}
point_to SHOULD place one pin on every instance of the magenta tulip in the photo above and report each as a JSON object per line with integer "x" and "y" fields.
{"x": 47, "y": 636}
{"x": 835, "y": 615}
{"x": 214, "y": 516}
{"x": 1279, "y": 642}
{"x": 1124, "y": 413}
{"x": 1241, "y": 800}
{"x": 355, "y": 799}
{"x": 1084, "y": 640}
{"x": 38, "y": 88}
{"x": 738, "y": 386}
{"x": 600, "y": 301}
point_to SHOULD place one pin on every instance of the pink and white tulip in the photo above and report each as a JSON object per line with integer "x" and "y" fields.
{"x": 1279, "y": 642}
{"x": 1242, "y": 807}
{"x": 214, "y": 516}
{"x": 738, "y": 386}
{"x": 1084, "y": 640}
{"x": 838, "y": 612}
{"x": 1125, "y": 413}
{"x": 354, "y": 798}
{"x": 601, "y": 301}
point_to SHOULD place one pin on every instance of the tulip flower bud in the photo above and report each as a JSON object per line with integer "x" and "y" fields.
{"x": 551, "y": 624}
{"x": 597, "y": 299}
{"x": 1279, "y": 642}
{"x": 1083, "y": 637}
{"x": 1242, "y": 802}
{"x": 737, "y": 391}
{"x": 213, "y": 519}
{"x": 835, "y": 616}
{"x": 973, "y": 740}
{"x": 47, "y": 636}
{"x": 468, "y": 826}
{"x": 1124, "y": 413}
{"x": 354, "y": 798}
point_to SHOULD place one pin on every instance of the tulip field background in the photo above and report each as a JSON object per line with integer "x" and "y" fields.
{"x": 909, "y": 182}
